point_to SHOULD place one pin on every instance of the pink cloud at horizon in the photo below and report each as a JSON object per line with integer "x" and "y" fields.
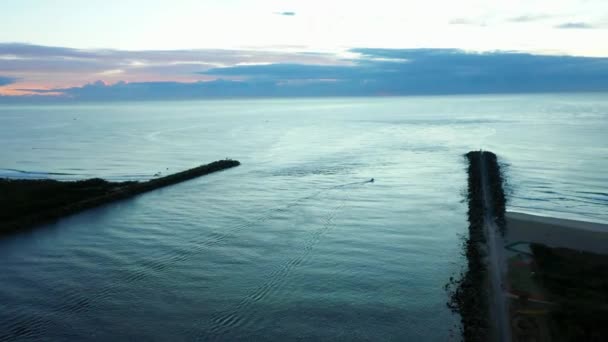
{"x": 40, "y": 69}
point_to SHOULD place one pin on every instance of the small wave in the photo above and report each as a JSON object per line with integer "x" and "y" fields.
{"x": 426, "y": 149}
{"x": 28, "y": 174}
{"x": 76, "y": 303}
{"x": 345, "y": 185}
{"x": 54, "y": 149}
{"x": 440, "y": 122}
{"x": 323, "y": 168}
{"x": 217, "y": 237}
{"x": 153, "y": 267}
{"x": 39, "y": 173}
{"x": 602, "y": 194}
{"x": 228, "y": 320}
{"x": 538, "y": 199}
{"x": 301, "y": 172}
{"x": 24, "y": 326}
{"x": 564, "y": 198}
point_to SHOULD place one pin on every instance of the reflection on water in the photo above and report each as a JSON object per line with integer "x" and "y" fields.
{"x": 294, "y": 243}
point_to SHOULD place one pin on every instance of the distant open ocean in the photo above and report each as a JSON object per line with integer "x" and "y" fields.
{"x": 294, "y": 243}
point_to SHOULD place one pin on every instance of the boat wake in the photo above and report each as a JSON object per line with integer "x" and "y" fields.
{"x": 228, "y": 320}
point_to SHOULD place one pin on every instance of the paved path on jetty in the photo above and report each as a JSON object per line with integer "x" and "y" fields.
{"x": 496, "y": 262}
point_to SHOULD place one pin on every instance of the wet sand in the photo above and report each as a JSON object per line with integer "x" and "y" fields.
{"x": 554, "y": 232}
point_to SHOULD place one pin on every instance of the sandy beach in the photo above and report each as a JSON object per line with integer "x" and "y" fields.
{"x": 553, "y": 232}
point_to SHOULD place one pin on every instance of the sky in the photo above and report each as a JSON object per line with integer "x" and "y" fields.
{"x": 54, "y": 48}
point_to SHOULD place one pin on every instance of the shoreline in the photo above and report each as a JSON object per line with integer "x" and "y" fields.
{"x": 591, "y": 226}
{"x": 556, "y": 278}
{"x": 557, "y": 232}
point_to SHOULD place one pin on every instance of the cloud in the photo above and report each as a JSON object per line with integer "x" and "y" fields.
{"x": 57, "y": 67}
{"x": 6, "y": 80}
{"x": 575, "y": 25}
{"x": 35, "y": 57}
{"x": 99, "y": 91}
{"x": 371, "y": 72}
{"x": 28, "y": 50}
{"x": 287, "y": 13}
{"x": 467, "y": 21}
{"x": 287, "y": 71}
{"x": 529, "y": 18}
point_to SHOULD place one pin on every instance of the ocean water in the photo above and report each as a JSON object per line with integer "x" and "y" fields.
{"x": 294, "y": 243}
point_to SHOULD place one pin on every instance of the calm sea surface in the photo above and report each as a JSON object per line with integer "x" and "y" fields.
{"x": 294, "y": 243}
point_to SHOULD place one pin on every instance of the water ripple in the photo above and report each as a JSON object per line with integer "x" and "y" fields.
{"x": 225, "y": 321}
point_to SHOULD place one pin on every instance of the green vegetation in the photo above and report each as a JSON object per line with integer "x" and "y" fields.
{"x": 25, "y": 203}
{"x": 577, "y": 282}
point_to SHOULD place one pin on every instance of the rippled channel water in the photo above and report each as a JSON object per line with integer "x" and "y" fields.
{"x": 294, "y": 243}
